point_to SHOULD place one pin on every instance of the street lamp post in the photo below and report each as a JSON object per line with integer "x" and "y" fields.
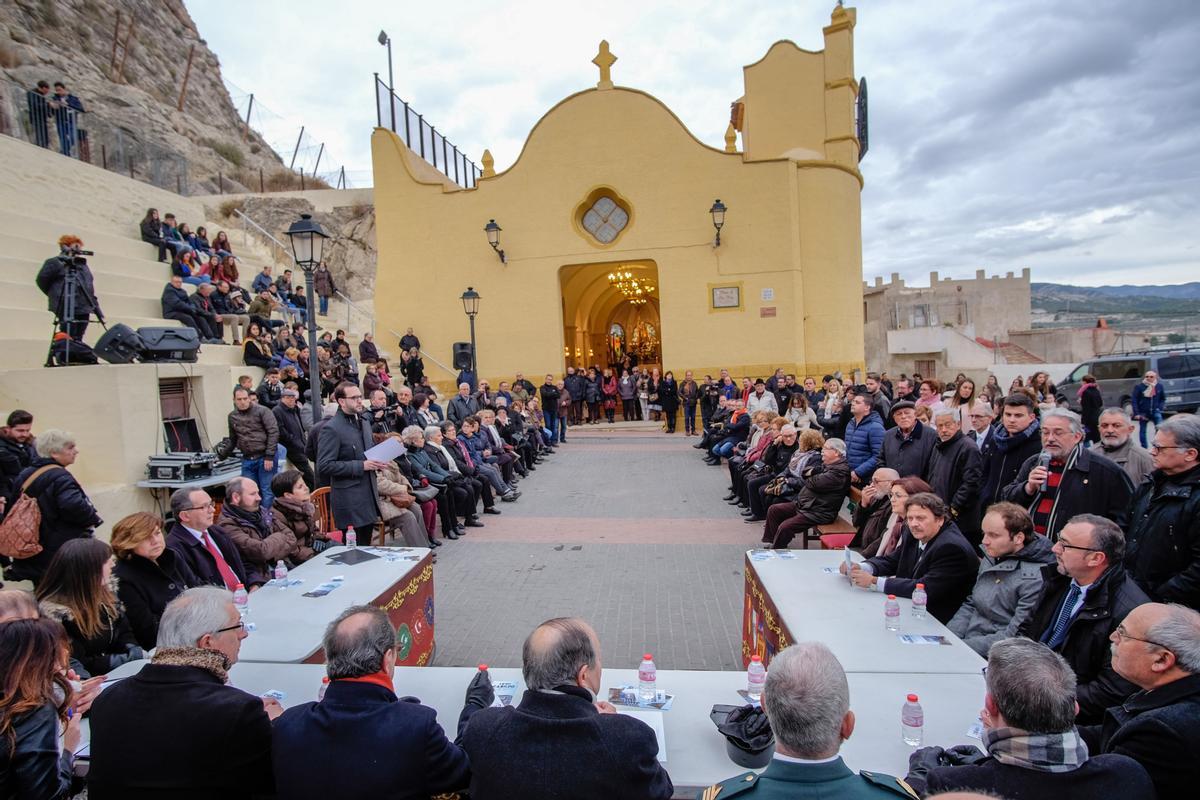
{"x": 308, "y": 240}
{"x": 470, "y": 300}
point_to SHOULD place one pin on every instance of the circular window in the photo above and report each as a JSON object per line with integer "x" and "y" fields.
{"x": 605, "y": 219}
{"x": 602, "y": 216}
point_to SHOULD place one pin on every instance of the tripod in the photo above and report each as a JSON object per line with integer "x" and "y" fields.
{"x": 65, "y": 314}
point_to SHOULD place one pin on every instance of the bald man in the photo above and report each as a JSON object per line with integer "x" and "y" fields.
{"x": 390, "y": 747}
{"x": 871, "y": 516}
{"x": 1157, "y": 648}
{"x": 560, "y": 741}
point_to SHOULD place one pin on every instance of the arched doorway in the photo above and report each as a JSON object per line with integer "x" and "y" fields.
{"x": 611, "y": 312}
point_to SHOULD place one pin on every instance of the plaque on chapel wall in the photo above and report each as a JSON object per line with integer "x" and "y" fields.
{"x": 726, "y": 296}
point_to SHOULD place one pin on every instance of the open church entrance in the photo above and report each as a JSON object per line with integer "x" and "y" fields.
{"x": 611, "y": 315}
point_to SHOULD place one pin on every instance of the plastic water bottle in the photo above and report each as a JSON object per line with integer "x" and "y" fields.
{"x": 351, "y": 537}
{"x": 281, "y": 574}
{"x": 912, "y": 722}
{"x": 241, "y": 600}
{"x": 647, "y": 680}
{"x": 891, "y": 613}
{"x": 756, "y": 676}
{"x": 920, "y": 602}
{"x": 324, "y": 686}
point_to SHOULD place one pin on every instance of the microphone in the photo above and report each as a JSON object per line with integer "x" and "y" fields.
{"x": 1044, "y": 461}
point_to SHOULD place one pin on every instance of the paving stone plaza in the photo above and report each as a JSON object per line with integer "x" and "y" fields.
{"x": 624, "y": 527}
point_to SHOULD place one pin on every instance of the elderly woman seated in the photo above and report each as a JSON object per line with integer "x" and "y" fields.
{"x": 399, "y": 507}
{"x": 819, "y": 501}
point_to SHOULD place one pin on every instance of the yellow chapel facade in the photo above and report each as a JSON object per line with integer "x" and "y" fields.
{"x": 608, "y": 231}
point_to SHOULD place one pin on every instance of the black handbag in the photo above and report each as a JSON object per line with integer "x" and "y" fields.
{"x": 425, "y": 493}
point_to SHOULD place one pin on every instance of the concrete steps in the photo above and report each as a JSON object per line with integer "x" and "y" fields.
{"x": 47, "y": 232}
{"x": 115, "y": 306}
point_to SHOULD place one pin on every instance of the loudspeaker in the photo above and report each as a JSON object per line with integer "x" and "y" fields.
{"x": 120, "y": 345}
{"x": 462, "y": 355}
{"x": 170, "y": 344}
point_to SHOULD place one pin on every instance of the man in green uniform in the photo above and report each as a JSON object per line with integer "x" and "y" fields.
{"x": 807, "y": 700}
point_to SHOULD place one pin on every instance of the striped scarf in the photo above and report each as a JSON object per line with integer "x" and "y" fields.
{"x": 1044, "y": 506}
{"x": 1044, "y": 752}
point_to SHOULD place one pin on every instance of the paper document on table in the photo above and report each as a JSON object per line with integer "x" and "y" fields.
{"x": 655, "y": 720}
{"x": 918, "y": 638}
{"x": 388, "y": 450}
{"x": 504, "y": 692}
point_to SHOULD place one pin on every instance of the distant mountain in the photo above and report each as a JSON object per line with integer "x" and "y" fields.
{"x": 1177, "y": 299}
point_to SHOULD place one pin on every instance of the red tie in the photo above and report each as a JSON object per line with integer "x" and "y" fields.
{"x": 227, "y": 574}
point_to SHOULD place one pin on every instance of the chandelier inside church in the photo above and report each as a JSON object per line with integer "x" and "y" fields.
{"x": 637, "y": 290}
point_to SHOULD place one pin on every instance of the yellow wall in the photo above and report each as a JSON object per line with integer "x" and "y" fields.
{"x": 793, "y": 227}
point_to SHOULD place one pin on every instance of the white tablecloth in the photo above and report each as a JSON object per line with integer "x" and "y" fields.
{"x": 815, "y": 605}
{"x": 695, "y": 750}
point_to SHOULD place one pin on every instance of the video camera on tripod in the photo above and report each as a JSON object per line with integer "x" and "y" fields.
{"x": 67, "y": 283}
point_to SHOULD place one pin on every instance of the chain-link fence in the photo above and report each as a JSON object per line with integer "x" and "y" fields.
{"x": 60, "y": 122}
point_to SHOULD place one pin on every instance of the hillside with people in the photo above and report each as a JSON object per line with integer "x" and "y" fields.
{"x": 148, "y": 90}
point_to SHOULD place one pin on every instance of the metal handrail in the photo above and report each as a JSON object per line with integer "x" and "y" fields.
{"x": 350, "y": 304}
{"x": 245, "y": 217}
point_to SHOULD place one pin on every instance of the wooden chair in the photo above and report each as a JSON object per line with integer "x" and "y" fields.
{"x": 320, "y": 499}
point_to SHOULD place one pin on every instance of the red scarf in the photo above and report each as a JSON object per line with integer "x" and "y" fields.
{"x": 378, "y": 678}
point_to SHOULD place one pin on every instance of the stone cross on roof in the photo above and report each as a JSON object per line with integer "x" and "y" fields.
{"x": 604, "y": 60}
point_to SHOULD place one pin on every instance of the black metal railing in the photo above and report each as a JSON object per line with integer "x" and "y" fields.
{"x": 422, "y": 138}
{"x": 62, "y": 124}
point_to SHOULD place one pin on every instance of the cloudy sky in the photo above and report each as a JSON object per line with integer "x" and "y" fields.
{"x": 1060, "y": 136}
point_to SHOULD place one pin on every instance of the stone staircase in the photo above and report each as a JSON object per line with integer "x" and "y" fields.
{"x": 115, "y": 412}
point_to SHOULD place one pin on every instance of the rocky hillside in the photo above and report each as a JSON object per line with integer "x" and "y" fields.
{"x": 133, "y": 110}
{"x": 350, "y": 251}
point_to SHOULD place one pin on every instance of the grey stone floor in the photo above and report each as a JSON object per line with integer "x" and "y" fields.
{"x": 643, "y": 590}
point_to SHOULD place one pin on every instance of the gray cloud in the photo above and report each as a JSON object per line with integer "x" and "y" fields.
{"x": 1062, "y": 137}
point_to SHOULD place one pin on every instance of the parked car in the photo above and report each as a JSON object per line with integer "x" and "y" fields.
{"x": 1116, "y": 375}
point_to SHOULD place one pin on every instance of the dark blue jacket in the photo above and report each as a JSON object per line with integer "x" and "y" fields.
{"x": 176, "y": 301}
{"x": 425, "y": 467}
{"x": 557, "y": 745}
{"x": 1148, "y": 407}
{"x": 476, "y": 445}
{"x": 864, "y": 442}
{"x": 393, "y": 748}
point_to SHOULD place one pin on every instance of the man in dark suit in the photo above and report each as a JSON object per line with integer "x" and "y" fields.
{"x": 560, "y": 741}
{"x": 396, "y": 746}
{"x": 176, "y": 729}
{"x": 204, "y": 547}
{"x": 1085, "y": 596}
{"x": 1033, "y": 747}
{"x": 935, "y": 553}
{"x": 341, "y": 458}
{"x": 1157, "y": 648}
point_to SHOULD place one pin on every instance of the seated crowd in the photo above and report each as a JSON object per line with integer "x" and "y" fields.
{"x": 220, "y": 300}
{"x": 1084, "y": 601}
